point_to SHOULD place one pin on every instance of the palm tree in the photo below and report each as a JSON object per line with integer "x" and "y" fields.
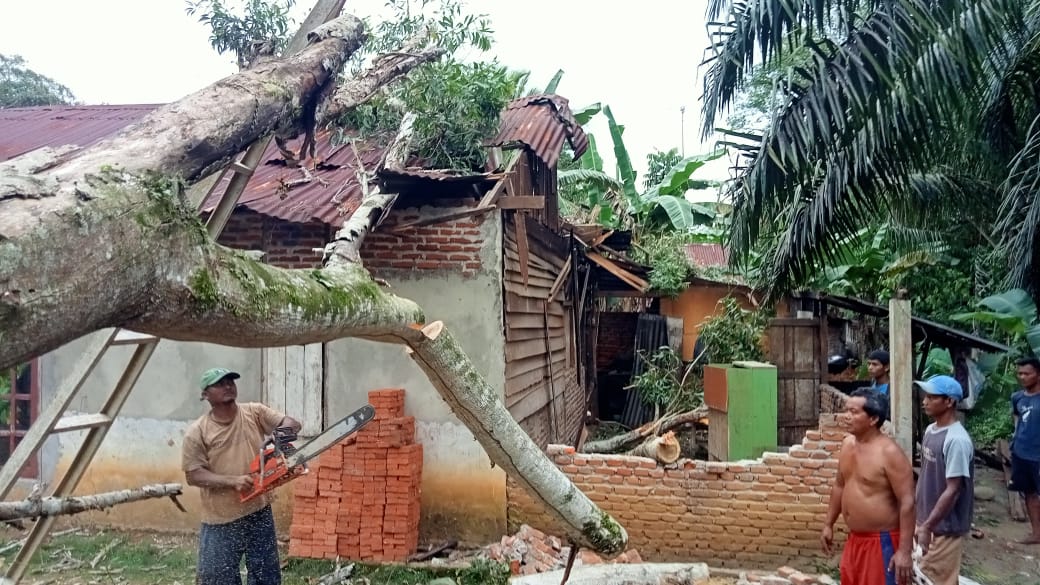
{"x": 926, "y": 112}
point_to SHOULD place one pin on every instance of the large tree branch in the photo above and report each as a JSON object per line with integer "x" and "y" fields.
{"x": 385, "y": 69}
{"x": 36, "y": 507}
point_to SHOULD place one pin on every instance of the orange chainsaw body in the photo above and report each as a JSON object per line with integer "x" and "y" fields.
{"x": 276, "y": 471}
{"x": 280, "y": 462}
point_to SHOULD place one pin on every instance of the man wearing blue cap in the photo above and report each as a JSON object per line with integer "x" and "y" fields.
{"x": 218, "y": 450}
{"x": 946, "y": 484}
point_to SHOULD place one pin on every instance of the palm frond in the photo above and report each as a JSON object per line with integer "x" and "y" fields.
{"x": 853, "y": 129}
{"x": 1020, "y": 214}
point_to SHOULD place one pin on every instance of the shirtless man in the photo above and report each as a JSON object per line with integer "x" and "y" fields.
{"x": 874, "y": 492}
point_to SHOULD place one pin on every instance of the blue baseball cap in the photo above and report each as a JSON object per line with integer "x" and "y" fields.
{"x": 941, "y": 386}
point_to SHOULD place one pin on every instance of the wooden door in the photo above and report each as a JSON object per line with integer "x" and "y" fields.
{"x": 293, "y": 384}
{"x": 794, "y": 346}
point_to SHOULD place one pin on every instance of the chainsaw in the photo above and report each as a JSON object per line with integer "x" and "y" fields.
{"x": 280, "y": 462}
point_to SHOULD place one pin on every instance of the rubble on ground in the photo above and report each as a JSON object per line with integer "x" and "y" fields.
{"x": 531, "y": 551}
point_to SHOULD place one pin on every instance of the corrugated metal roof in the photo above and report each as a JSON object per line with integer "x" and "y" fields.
{"x": 331, "y": 194}
{"x": 707, "y": 255}
{"x": 541, "y": 123}
{"x": 26, "y": 129}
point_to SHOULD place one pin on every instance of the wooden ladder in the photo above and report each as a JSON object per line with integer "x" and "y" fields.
{"x": 53, "y": 419}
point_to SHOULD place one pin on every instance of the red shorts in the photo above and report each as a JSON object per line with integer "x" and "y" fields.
{"x": 866, "y": 558}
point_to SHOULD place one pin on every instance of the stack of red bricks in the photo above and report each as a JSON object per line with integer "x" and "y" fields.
{"x": 361, "y": 500}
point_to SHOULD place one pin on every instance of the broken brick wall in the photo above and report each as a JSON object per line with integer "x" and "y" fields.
{"x": 453, "y": 245}
{"x": 361, "y": 500}
{"x": 758, "y": 513}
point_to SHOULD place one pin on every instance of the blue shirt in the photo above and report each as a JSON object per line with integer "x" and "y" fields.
{"x": 1026, "y": 442}
{"x": 882, "y": 388}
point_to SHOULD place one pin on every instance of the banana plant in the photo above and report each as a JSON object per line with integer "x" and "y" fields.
{"x": 1012, "y": 313}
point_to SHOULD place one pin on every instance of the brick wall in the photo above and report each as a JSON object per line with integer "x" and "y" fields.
{"x": 761, "y": 513}
{"x": 285, "y": 244}
{"x": 452, "y": 246}
{"x": 361, "y": 501}
{"x": 617, "y": 334}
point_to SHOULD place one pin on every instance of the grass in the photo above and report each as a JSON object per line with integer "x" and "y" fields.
{"x": 143, "y": 558}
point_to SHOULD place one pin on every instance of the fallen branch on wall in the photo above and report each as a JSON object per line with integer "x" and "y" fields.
{"x": 35, "y": 507}
{"x": 651, "y": 429}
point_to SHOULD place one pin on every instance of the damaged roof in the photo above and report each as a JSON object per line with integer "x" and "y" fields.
{"x": 26, "y": 129}
{"x": 541, "y": 123}
{"x": 332, "y": 186}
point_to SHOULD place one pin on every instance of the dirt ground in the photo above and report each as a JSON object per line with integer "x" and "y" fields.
{"x": 138, "y": 558}
{"x": 996, "y": 559}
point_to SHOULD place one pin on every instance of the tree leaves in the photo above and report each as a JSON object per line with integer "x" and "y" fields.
{"x": 22, "y": 87}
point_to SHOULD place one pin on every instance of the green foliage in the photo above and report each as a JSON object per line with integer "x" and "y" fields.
{"x": 457, "y": 108}
{"x": 665, "y": 383}
{"x": 658, "y": 164}
{"x": 734, "y": 334}
{"x": 451, "y": 28}
{"x": 1011, "y": 316}
{"x": 663, "y": 252}
{"x": 22, "y": 87}
{"x": 262, "y": 27}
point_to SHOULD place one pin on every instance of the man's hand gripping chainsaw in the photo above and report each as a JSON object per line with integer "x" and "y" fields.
{"x": 280, "y": 462}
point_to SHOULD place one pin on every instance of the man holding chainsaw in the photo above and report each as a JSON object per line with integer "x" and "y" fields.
{"x": 218, "y": 450}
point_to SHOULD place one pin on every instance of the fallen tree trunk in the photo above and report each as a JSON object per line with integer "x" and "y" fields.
{"x": 635, "y": 436}
{"x": 664, "y": 449}
{"x": 36, "y": 507}
{"x": 73, "y": 260}
{"x": 622, "y": 574}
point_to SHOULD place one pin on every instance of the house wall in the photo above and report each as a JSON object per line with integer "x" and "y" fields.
{"x": 697, "y": 303}
{"x": 750, "y": 514}
{"x": 453, "y": 270}
{"x": 542, "y": 390}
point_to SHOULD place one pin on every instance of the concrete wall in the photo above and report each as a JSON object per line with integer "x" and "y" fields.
{"x": 463, "y": 496}
{"x": 697, "y": 303}
{"x": 144, "y": 444}
{"x": 453, "y": 270}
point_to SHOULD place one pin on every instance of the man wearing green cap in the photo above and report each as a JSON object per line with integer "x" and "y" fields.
{"x": 218, "y": 449}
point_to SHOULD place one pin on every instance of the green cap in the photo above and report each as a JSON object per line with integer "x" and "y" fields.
{"x": 214, "y": 375}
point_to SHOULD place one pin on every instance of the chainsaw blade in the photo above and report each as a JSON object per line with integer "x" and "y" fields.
{"x": 346, "y": 426}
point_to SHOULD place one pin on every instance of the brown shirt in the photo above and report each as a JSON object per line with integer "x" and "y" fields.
{"x": 228, "y": 449}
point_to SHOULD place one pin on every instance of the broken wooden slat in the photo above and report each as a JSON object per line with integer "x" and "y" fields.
{"x": 626, "y": 276}
{"x": 404, "y": 228}
{"x": 489, "y": 198}
{"x": 521, "y": 243}
{"x": 1016, "y": 503}
{"x": 521, "y": 202}
{"x": 558, "y": 285}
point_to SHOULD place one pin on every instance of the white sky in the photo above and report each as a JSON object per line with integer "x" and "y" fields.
{"x": 641, "y": 58}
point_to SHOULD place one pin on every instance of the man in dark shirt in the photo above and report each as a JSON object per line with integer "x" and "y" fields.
{"x": 877, "y": 367}
{"x": 945, "y": 487}
{"x": 1025, "y": 445}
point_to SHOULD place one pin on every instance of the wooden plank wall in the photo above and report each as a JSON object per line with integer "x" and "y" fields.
{"x": 794, "y": 347}
{"x": 541, "y": 393}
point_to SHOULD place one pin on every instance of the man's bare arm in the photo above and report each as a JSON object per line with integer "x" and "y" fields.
{"x": 204, "y": 478}
{"x": 901, "y": 478}
{"x": 837, "y": 490}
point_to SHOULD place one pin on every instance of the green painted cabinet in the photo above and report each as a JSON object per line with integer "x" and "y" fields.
{"x": 742, "y": 417}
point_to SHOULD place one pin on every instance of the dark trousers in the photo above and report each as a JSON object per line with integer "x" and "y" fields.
{"x": 222, "y": 546}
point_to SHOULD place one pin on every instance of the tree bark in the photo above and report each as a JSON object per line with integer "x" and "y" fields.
{"x": 36, "y": 507}
{"x": 623, "y": 574}
{"x": 105, "y": 237}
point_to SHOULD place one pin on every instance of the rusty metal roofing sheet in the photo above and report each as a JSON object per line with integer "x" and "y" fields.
{"x": 26, "y": 129}
{"x": 707, "y": 255}
{"x": 541, "y": 123}
{"x": 331, "y": 193}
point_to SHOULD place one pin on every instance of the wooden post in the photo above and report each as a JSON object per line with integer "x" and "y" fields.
{"x": 901, "y": 372}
